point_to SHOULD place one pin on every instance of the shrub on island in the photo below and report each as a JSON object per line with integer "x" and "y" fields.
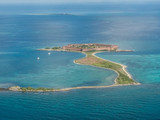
{"x": 56, "y": 48}
{"x": 36, "y": 89}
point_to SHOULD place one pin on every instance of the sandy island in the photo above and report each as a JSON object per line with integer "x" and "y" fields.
{"x": 123, "y": 77}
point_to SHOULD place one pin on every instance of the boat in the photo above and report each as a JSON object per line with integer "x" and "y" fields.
{"x": 38, "y": 58}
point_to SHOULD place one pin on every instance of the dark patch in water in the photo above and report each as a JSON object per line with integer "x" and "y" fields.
{"x": 3, "y": 89}
{"x": 89, "y": 83}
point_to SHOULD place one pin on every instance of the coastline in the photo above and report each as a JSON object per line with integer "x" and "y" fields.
{"x": 116, "y": 84}
{"x": 123, "y": 66}
{"x": 72, "y": 88}
{"x": 115, "y": 81}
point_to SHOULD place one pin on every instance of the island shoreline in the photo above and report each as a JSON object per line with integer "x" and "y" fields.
{"x": 17, "y": 88}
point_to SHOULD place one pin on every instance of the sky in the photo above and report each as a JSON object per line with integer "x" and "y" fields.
{"x": 71, "y": 1}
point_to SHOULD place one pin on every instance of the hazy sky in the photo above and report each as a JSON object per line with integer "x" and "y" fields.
{"x": 72, "y": 1}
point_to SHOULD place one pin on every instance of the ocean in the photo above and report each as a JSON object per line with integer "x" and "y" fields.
{"x": 23, "y": 31}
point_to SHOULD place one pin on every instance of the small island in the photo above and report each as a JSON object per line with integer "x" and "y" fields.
{"x": 123, "y": 77}
{"x": 84, "y": 47}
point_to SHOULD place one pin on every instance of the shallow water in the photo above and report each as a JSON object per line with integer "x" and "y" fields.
{"x": 145, "y": 68}
{"x": 53, "y": 71}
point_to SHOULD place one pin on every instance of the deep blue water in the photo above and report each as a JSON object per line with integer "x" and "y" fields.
{"x": 21, "y": 34}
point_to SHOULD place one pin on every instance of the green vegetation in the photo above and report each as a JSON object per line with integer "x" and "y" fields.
{"x": 123, "y": 77}
{"x": 85, "y": 46}
{"x": 56, "y": 48}
{"x": 36, "y": 89}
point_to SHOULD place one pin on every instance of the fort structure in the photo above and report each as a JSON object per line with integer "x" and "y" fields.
{"x": 90, "y": 47}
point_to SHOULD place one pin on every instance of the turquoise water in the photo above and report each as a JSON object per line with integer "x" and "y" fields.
{"x": 52, "y": 71}
{"x": 145, "y": 68}
{"x": 135, "y": 27}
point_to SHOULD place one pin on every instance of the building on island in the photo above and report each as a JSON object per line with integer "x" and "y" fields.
{"x": 90, "y": 47}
